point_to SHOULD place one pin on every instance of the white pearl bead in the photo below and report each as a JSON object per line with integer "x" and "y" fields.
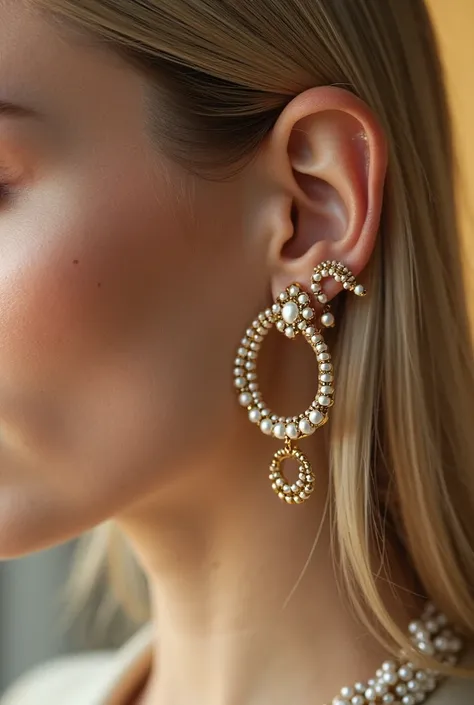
{"x": 347, "y": 692}
{"x": 360, "y": 687}
{"x": 401, "y": 689}
{"x": 390, "y": 677}
{"x": 315, "y": 417}
{"x": 309, "y": 331}
{"x": 294, "y": 290}
{"x": 326, "y": 367}
{"x": 340, "y": 701}
{"x": 359, "y": 290}
{"x": 370, "y": 694}
{"x": 255, "y": 415}
{"x": 408, "y": 700}
{"x": 324, "y": 273}
{"x": 426, "y": 648}
{"x": 283, "y": 296}
{"x": 327, "y": 319}
{"x": 441, "y": 643}
{"x": 305, "y": 427}
{"x": 326, "y": 378}
{"x": 322, "y": 298}
{"x": 303, "y": 298}
{"x": 327, "y": 389}
{"x": 388, "y": 698}
{"x": 413, "y": 686}
{"x": 279, "y": 431}
{"x": 290, "y": 312}
{"x": 266, "y": 427}
{"x": 308, "y": 313}
{"x": 389, "y": 666}
{"x": 423, "y": 634}
{"x": 405, "y": 673}
{"x": 322, "y": 357}
{"x": 324, "y": 401}
{"x": 290, "y": 332}
{"x": 240, "y": 382}
{"x": 315, "y": 288}
{"x": 317, "y": 277}
{"x": 358, "y": 700}
{"x": 442, "y": 620}
{"x": 245, "y": 399}
{"x": 292, "y": 431}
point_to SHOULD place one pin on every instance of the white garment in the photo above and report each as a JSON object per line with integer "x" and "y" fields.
{"x": 98, "y": 678}
{"x": 110, "y": 678}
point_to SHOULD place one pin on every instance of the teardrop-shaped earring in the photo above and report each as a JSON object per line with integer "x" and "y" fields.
{"x": 292, "y": 314}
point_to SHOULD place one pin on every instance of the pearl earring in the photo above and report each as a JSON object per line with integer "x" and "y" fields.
{"x": 292, "y": 314}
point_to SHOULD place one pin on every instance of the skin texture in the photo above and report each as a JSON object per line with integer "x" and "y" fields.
{"x": 125, "y": 286}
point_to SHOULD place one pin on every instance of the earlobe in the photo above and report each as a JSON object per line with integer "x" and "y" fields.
{"x": 335, "y": 166}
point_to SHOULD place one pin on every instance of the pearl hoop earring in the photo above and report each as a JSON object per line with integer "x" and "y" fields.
{"x": 292, "y": 314}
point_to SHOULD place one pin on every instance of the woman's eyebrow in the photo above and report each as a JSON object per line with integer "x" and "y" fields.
{"x": 21, "y": 111}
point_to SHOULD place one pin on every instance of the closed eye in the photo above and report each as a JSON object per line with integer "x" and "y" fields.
{"x": 5, "y": 192}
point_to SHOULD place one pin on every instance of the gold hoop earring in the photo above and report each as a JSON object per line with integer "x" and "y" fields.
{"x": 292, "y": 314}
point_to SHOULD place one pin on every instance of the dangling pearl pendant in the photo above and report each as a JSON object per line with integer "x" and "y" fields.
{"x": 327, "y": 319}
{"x": 331, "y": 268}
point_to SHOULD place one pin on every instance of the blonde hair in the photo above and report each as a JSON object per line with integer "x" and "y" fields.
{"x": 402, "y": 446}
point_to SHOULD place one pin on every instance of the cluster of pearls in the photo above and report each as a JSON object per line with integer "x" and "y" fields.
{"x": 404, "y": 683}
{"x": 291, "y": 315}
{"x": 331, "y": 268}
{"x": 303, "y": 487}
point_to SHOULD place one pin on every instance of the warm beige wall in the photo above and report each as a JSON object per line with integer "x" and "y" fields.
{"x": 454, "y": 20}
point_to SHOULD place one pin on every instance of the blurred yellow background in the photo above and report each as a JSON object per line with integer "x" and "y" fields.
{"x": 454, "y": 20}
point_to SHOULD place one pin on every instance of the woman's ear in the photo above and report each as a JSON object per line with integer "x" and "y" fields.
{"x": 328, "y": 154}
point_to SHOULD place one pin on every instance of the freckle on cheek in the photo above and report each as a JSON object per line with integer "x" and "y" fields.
{"x": 76, "y": 261}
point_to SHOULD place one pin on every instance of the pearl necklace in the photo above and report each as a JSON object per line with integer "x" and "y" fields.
{"x": 403, "y": 683}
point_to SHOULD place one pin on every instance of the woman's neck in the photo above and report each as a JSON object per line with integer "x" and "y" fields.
{"x": 245, "y": 591}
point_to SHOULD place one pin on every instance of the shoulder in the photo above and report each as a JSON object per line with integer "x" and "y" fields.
{"x": 77, "y": 680}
